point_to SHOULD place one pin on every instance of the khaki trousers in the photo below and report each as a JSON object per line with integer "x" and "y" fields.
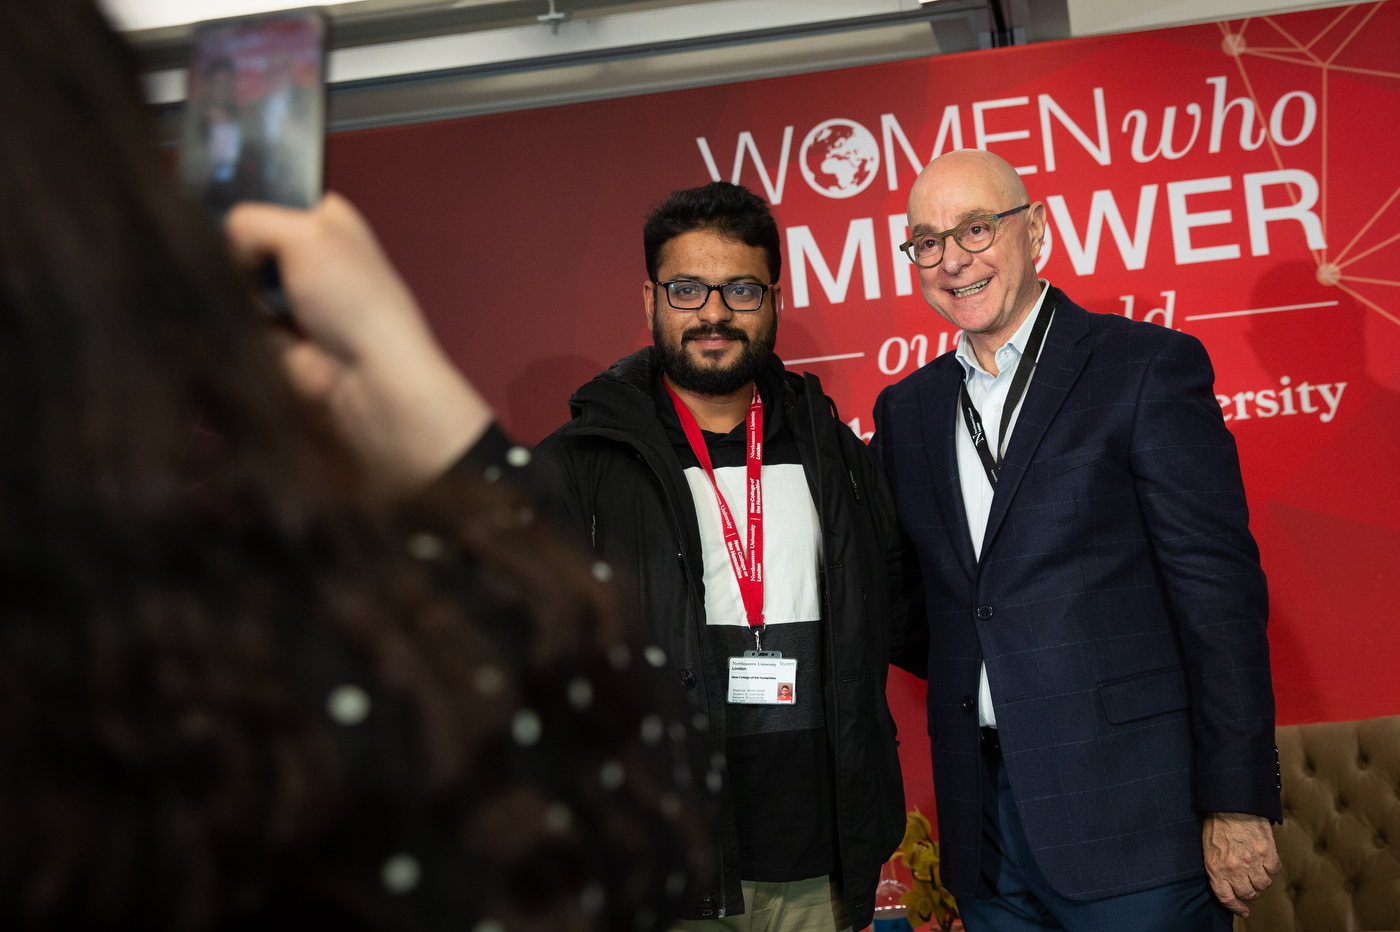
{"x": 816, "y": 905}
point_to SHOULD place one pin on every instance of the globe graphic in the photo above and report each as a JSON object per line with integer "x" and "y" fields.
{"x": 839, "y": 158}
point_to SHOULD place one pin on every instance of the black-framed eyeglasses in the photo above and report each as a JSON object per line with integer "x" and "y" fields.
{"x": 974, "y": 234}
{"x": 686, "y": 295}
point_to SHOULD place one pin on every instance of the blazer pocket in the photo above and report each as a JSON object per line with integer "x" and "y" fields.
{"x": 1059, "y": 465}
{"x": 1143, "y": 695}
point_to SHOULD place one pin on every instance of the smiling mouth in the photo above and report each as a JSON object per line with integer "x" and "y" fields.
{"x": 971, "y": 289}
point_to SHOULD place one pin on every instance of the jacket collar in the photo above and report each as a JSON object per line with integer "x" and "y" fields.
{"x": 618, "y": 397}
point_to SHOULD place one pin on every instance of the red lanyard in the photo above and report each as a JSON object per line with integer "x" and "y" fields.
{"x": 748, "y": 572}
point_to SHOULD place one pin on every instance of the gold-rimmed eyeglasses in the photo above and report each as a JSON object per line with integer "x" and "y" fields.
{"x": 974, "y": 234}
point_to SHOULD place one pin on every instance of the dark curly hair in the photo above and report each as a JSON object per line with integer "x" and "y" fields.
{"x": 191, "y": 564}
{"x": 730, "y": 210}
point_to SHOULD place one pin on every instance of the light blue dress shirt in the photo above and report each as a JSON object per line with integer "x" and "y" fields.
{"x": 988, "y": 394}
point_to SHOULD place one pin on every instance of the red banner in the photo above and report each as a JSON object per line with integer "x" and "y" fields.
{"x": 1237, "y": 181}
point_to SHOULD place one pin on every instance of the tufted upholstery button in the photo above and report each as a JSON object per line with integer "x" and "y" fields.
{"x": 984, "y": 612}
{"x": 687, "y": 679}
{"x": 967, "y": 704}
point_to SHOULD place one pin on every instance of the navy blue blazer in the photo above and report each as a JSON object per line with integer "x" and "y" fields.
{"x": 1119, "y": 606}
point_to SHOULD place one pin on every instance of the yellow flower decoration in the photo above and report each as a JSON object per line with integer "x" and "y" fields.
{"x": 927, "y": 898}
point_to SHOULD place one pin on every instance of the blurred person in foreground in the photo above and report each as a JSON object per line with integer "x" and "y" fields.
{"x": 752, "y": 519}
{"x": 268, "y": 659}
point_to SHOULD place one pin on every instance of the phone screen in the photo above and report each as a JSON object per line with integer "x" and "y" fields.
{"x": 254, "y": 122}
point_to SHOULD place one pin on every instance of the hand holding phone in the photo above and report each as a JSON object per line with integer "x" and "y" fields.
{"x": 362, "y": 348}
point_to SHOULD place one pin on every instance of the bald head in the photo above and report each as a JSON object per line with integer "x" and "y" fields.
{"x": 963, "y": 168}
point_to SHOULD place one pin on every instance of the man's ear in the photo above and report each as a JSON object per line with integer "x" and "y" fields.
{"x": 649, "y": 301}
{"x": 1035, "y": 224}
{"x": 777, "y": 302}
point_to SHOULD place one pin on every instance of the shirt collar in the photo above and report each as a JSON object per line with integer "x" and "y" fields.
{"x": 968, "y": 358}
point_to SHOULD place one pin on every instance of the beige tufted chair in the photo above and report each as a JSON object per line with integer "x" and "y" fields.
{"x": 1340, "y": 837}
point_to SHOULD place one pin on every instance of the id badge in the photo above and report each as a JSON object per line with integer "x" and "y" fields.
{"x": 762, "y": 678}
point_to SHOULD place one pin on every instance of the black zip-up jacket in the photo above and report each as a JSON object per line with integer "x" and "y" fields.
{"x": 623, "y": 489}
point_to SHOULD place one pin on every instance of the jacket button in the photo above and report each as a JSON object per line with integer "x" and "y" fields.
{"x": 687, "y": 679}
{"x": 707, "y": 906}
{"x": 984, "y": 612}
{"x": 967, "y": 704}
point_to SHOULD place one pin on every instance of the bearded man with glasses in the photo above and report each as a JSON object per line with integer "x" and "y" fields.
{"x": 758, "y": 542}
{"x": 1100, "y": 705}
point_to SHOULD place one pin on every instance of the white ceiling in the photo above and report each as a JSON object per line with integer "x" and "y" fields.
{"x": 1094, "y": 17}
{"x": 642, "y": 26}
{"x": 1087, "y": 17}
{"x": 137, "y": 15}
{"x": 494, "y": 57}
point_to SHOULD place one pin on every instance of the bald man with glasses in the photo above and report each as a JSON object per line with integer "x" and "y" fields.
{"x": 1100, "y": 704}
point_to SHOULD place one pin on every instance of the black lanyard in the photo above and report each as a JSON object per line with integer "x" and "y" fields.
{"x": 1019, "y": 380}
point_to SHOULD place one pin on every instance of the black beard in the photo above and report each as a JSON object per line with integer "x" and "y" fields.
{"x": 708, "y": 380}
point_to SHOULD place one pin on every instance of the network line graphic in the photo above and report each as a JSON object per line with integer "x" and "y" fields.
{"x": 1331, "y": 52}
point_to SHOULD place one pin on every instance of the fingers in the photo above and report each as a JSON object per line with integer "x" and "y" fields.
{"x": 1225, "y": 893}
{"x": 1240, "y": 856}
{"x": 1233, "y": 888}
{"x": 1272, "y": 862}
{"x": 343, "y": 291}
{"x": 259, "y": 230}
{"x": 311, "y": 371}
{"x": 363, "y": 349}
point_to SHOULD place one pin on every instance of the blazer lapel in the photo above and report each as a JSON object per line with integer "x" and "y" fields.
{"x": 1066, "y": 351}
{"x": 938, "y": 403}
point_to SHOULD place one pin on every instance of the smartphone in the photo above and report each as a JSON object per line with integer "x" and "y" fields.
{"x": 255, "y": 112}
{"x": 255, "y": 121}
